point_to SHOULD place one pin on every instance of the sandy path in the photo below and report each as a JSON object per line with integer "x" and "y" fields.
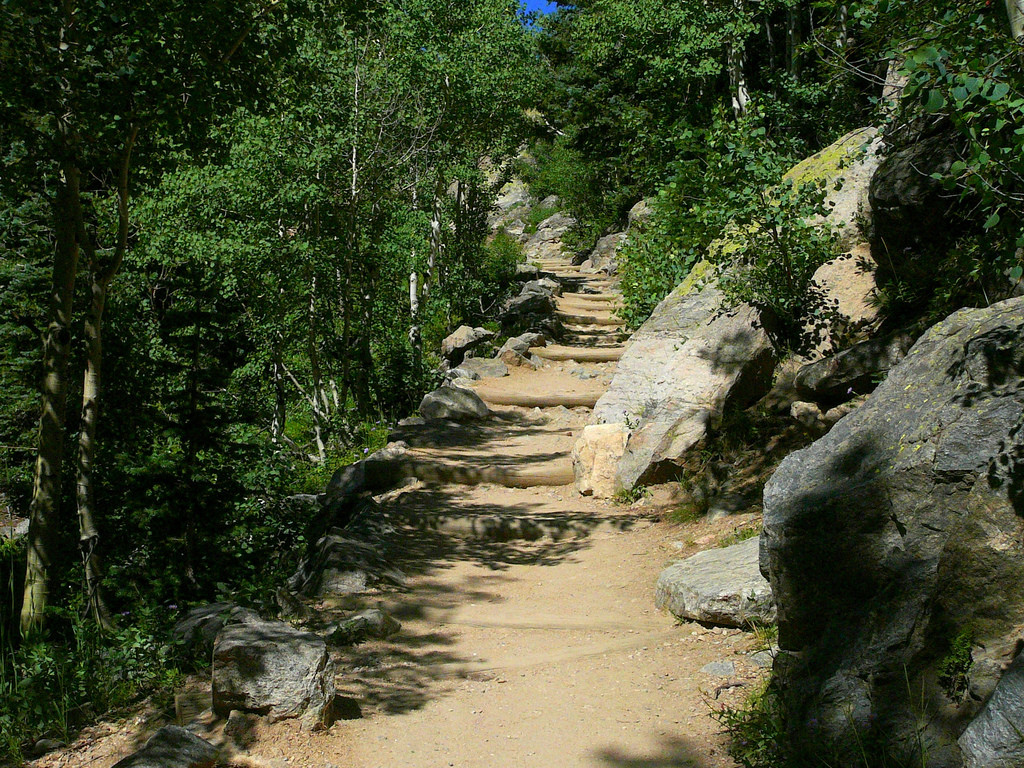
{"x": 539, "y": 654}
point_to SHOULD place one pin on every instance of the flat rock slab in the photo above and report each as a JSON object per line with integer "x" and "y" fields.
{"x": 995, "y": 738}
{"x": 718, "y": 586}
{"x": 484, "y": 368}
{"x": 172, "y": 747}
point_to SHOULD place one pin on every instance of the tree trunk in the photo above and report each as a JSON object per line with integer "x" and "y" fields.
{"x": 99, "y": 285}
{"x": 44, "y": 509}
{"x": 794, "y": 38}
{"x": 737, "y": 81}
{"x": 88, "y": 535}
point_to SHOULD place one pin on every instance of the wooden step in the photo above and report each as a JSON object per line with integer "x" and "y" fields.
{"x": 610, "y": 297}
{"x": 579, "y": 354}
{"x": 565, "y": 317}
{"x": 534, "y": 400}
{"x": 389, "y": 472}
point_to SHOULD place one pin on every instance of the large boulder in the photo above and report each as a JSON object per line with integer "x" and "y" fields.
{"x": 483, "y": 368}
{"x": 533, "y": 310}
{"x": 846, "y": 285}
{"x": 911, "y": 211}
{"x": 683, "y": 367}
{"x": 640, "y": 213}
{"x": 172, "y": 747}
{"x": 846, "y": 168}
{"x": 596, "y": 456}
{"x": 854, "y": 371}
{"x": 718, "y": 586}
{"x": 342, "y": 564}
{"x": 995, "y": 738}
{"x": 197, "y": 630}
{"x": 455, "y": 346}
{"x": 454, "y": 404}
{"x": 604, "y": 256}
{"x": 273, "y": 669}
{"x": 898, "y": 531}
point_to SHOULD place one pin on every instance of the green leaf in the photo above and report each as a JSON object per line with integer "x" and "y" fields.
{"x": 992, "y": 220}
{"x": 934, "y": 100}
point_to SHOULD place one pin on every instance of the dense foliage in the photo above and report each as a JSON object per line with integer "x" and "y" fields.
{"x": 261, "y": 219}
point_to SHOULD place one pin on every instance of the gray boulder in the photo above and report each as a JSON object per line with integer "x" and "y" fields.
{"x": 454, "y": 404}
{"x": 897, "y": 531}
{"x": 995, "y": 738}
{"x": 639, "y": 213}
{"x": 341, "y": 564}
{"x": 455, "y": 346}
{"x": 531, "y": 311}
{"x": 854, "y": 371}
{"x": 911, "y": 212}
{"x": 172, "y": 747}
{"x": 273, "y": 669}
{"x": 372, "y": 623}
{"x": 197, "y": 630}
{"x": 521, "y": 344}
{"x": 689, "y": 362}
{"x": 718, "y": 586}
{"x": 604, "y": 256}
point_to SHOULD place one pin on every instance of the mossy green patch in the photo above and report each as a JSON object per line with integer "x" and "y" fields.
{"x": 827, "y": 165}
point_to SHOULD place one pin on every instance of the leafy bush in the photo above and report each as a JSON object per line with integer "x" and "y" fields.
{"x": 728, "y": 203}
{"x": 51, "y": 687}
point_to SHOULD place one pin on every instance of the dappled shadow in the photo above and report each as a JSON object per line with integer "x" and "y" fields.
{"x": 428, "y": 532}
{"x": 672, "y": 752}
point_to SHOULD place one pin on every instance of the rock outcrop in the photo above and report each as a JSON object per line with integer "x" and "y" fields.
{"x": 718, "y": 586}
{"x": 342, "y": 563}
{"x": 172, "y": 747}
{"x": 271, "y": 668}
{"x": 899, "y": 530}
{"x": 911, "y": 211}
{"x": 683, "y": 367}
{"x": 854, "y": 371}
{"x": 197, "y": 630}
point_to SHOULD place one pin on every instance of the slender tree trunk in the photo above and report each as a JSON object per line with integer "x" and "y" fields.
{"x": 436, "y": 243}
{"x": 794, "y": 38}
{"x": 99, "y": 285}
{"x": 278, "y": 420}
{"x": 45, "y": 505}
{"x": 88, "y": 535}
{"x": 738, "y": 81}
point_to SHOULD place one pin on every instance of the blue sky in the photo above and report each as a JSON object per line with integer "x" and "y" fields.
{"x": 539, "y": 5}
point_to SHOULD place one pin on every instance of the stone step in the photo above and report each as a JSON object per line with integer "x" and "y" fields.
{"x": 588, "y": 306}
{"x": 579, "y": 354}
{"x": 540, "y": 400}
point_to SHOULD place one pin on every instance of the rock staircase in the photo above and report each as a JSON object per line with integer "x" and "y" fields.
{"x": 537, "y": 410}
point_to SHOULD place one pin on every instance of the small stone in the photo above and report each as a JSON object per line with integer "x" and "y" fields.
{"x": 719, "y": 668}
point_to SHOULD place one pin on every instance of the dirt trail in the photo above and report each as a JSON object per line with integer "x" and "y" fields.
{"x": 542, "y": 650}
{"x": 529, "y": 637}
